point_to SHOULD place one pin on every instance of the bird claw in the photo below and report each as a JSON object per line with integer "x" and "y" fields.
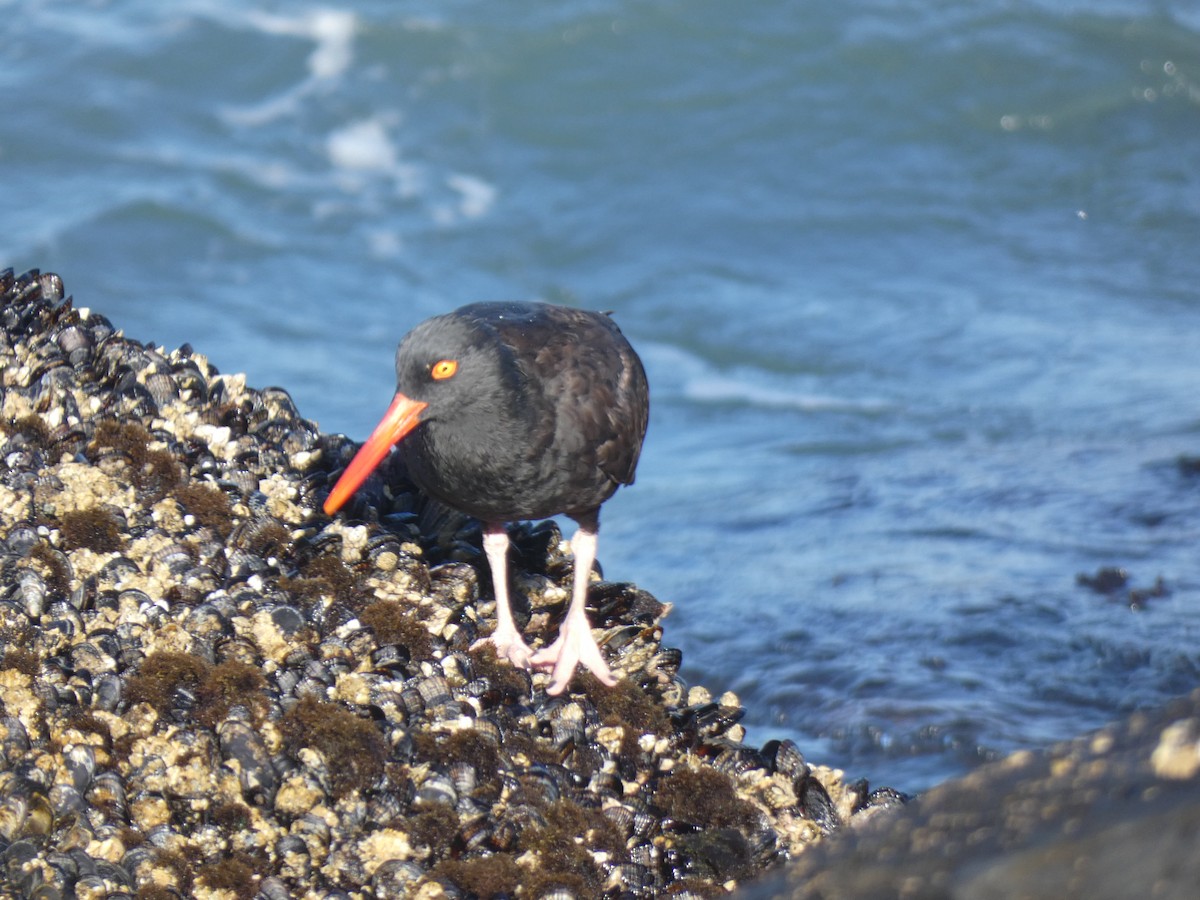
{"x": 573, "y": 646}
{"x": 510, "y": 647}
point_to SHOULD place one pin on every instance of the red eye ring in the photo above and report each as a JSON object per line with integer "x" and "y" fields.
{"x": 443, "y": 369}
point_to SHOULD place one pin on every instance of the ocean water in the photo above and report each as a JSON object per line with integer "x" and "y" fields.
{"x": 917, "y": 286}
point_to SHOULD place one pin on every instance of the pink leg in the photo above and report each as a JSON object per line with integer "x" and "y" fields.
{"x": 575, "y": 643}
{"x": 506, "y": 639}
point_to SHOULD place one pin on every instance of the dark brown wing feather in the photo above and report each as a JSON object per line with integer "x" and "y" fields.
{"x": 592, "y": 396}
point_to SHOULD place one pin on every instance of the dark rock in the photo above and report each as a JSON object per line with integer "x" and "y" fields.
{"x": 1108, "y": 816}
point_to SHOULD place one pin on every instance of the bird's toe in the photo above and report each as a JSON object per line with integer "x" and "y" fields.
{"x": 514, "y": 650}
{"x": 573, "y": 647}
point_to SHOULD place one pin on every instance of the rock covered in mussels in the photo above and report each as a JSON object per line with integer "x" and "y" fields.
{"x": 208, "y": 688}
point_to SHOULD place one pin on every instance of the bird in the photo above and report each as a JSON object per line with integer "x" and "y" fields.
{"x": 513, "y": 411}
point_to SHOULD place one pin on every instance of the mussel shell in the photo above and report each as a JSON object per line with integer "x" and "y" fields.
{"x": 242, "y": 745}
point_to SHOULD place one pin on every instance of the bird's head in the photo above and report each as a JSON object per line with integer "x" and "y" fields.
{"x": 445, "y": 368}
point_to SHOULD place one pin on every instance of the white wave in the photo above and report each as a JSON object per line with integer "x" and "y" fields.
{"x": 674, "y": 370}
{"x": 478, "y": 196}
{"x": 474, "y": 199}
{"x": 752, "y": 392}
{"x": 365, "y": 150}
{"x": 363, "y": 146}
{"x": 332, "y": 32}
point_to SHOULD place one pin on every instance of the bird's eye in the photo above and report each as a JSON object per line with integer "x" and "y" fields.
{"x": 443, "y": 369}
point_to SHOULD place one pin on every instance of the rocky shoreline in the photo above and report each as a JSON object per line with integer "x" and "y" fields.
{"x": 1111, "y": 815}
{"x": 208, "y": 688}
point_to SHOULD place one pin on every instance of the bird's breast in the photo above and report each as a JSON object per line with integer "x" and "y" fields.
{"x": 507, "y": 475}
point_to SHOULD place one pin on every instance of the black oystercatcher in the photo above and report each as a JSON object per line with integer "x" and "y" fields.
{"x": 512, "y": 411}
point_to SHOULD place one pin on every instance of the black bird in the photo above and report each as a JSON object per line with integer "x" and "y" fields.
{"x": 511, "y": 411}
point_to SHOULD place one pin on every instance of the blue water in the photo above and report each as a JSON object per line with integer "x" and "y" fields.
{"x": 917, "y": 287}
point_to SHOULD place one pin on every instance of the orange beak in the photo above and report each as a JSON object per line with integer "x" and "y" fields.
{"x": 401, "y": 418}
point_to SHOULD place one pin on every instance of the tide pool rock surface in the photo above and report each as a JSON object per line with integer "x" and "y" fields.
{"x": 209, "y": 688}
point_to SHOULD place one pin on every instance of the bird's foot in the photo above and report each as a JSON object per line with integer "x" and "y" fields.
{"x": 508, "y": 646}
{"x": 573, "y": 646}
